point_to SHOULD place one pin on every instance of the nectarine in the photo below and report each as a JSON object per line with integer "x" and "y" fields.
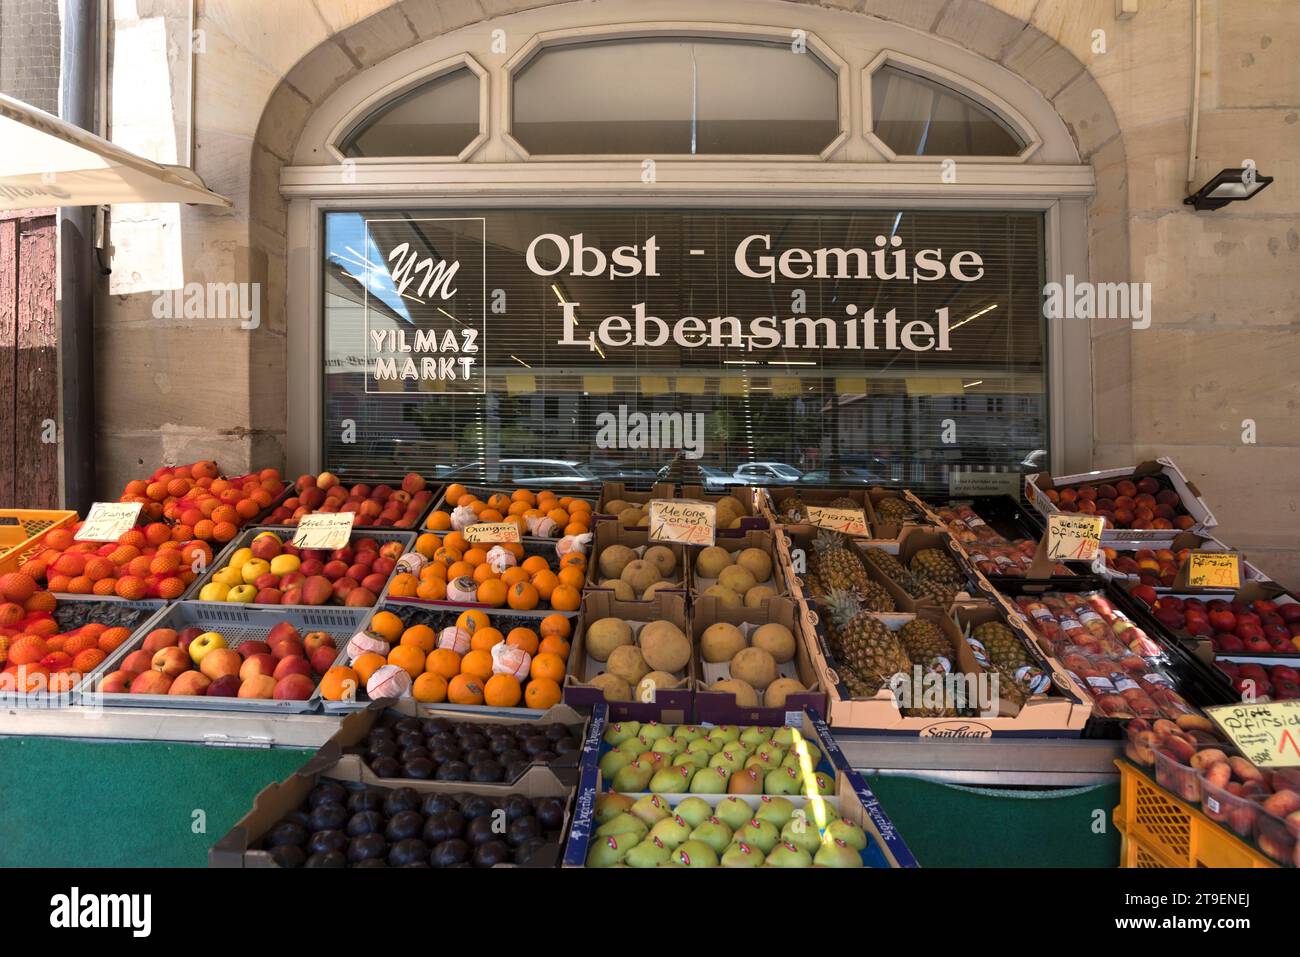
{"x": 257, "y": 686}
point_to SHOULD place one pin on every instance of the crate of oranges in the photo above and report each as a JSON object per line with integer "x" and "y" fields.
{"x": 537, "y": 514}
{"x": 449, "y": 659}
{"x": 522, "y": 576}
{"x": 201, "y": 503}
{"x": 154, "y": 561}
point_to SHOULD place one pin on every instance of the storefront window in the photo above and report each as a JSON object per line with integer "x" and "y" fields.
{"x": 915, "y": 116}
{"x": 437, "y": 118}
{"x": 675, "y": 96}
{"x": 861, "y": 346}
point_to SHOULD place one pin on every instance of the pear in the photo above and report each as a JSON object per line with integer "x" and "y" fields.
{"x": 613, "y": 762}
{"x": 733, "y": 812}
{"x": 740, "y": 854}
{"x": 713, "y": 833}
{"x": 656, "y": 759}
{"x": 695, "y": 759}
{"x": 705, "y": 746}
{"x": 786, "y": 854}
{"x": 794, "y": 757}
{"x": 802, "y": 833}
{"x": 672, "y": 780}
{"x": 755, "y": 736}
{"x": 842, "y": 829}
{"x": 784, "y": 736}
{"x": 710, "y": 781}
{"x": 695, "y": 854}
{"x": 688, "y": 733}
{"x": 608, "y": 851}
{"x": 620, "y": 731}
{"x": 782, "y": 781}
{"x": 819, "y": 811}
{"x": 671, "y": 831}
{"x": 651, "y": 809}
{"x": 775, "y": 810}
{"x": 732, "y": 761}
{"x": 634, "y": 777}
{"x": 634, "y": 746}
{"x": 823, "y": 782}
{"x": 762, "y": 759}
{"x": 649, "y": 853}
{"x": 835, "y": 853}
{"x": 623, "y": 824}
{"x": 652, "y": 731}
{"x": 747, "y": 781}
{"x": 693, "y": 810}
{"x": 760, "y": 834}
{"x": 670, "y": 746}
{"x": 610, "y": 805}
{"x": 725, "y": 733}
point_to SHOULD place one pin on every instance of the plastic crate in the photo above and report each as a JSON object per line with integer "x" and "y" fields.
{"x": 1174, "y": 832}
{"x": 23, "y": 529}
{"x": 1133, "y": 853}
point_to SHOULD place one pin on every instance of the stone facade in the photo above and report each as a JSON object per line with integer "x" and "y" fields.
{"x": 1225, "y": 293}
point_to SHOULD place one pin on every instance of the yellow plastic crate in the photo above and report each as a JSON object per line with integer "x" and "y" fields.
{"x": 21, "y": 531}
{"x": 1161, "y": 830}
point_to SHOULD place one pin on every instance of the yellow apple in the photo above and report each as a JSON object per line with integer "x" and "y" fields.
{"x": 237, "y": 560}
{"x": 284, "y": 564}
{"x": 242, "y": 594}
{"x": 204, "y": 643}
{"x": 228, "y": 576}
{"x": 253, "y": 569}
{"x": 214, "y": 591}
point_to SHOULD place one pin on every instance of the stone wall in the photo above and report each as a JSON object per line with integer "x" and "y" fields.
{"x": 1224, "y": 285}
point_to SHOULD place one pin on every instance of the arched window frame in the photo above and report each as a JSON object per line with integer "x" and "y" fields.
{"x": 713, "y": 31}
{"x": 959, "y": 85}
{"x": 381, "y": 97}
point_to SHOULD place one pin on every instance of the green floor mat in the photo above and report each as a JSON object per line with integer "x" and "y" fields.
{"x": 140, "y": 804}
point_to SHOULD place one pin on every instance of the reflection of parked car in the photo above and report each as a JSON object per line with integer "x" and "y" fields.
{"x": 393, "y": 458}
{"x": 617, "y": 470}
{"x": 767, "y": 473}
{"x": 530, "y": 473}
{"x": 713, "y": 479}
{"x": 850, "y": 470}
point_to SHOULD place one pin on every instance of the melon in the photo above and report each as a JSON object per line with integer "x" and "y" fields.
{"x": 755, "y": 667}
{"x": 606, "y": 634}
{"x": 627, "y": 662}
{"x": 724, "y": 594}
{"x": 746, "y": 697}
{"x": 779, "y": 690}
{"x": 662, "y": 558}
{"x": 640, "y": 574}
{"x": 664, "y": 646}
{"x": 721, "y": 641}
{"x": 757, "y": 562}
{"x": 614, "y": 687}
{"x": 776, "y": 639}
{"x": 613, "y": 559}
{"x": 711, "y": 561}
{"x": 737, "y": 579}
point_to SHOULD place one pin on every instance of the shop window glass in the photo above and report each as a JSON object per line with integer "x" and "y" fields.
{"x": 437, "y": 118}
{"x": 472, "y": 373}
{"x": 915, "y": 116}
{"x": 675, "y": 96}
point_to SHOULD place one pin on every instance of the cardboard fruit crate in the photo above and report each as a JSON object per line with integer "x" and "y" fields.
{"x": 796, "y": 544}
{"x": 619, "y": 492}
{"x": 609, "y": 533}
{"x": 22, "y": 531}
{"x": 440, "y": 504}
{"x": 747, "y": 495}
{"x": 770, "y": 498}
{"x": 736, "y": 543}
{"x": 851, "y": 799}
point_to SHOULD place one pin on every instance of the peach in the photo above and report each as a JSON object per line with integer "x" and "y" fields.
{"x": 1244, "y": 770}
{"x": 1203, "y": 759}
{"x": 412, "y": 483}
{"x": 1282, "y": 804}
{"x": 291, "y": 665}
{"x": 1180, "y": 749}
{"x": 220, "y": 662}
{"x": 294, "y": 687}
{"x": 171, "y": 661}
{"x": 1219, "y": 774}
{"x": 191, "y": 683}
{"x": 317, "y": 589}
{"x": 257, "y": 686}
{"x": 361, "y": 598}
{"x": 159, "y": 639}
{"x": 151, "y": 682}
{"x": 257, "y": 665}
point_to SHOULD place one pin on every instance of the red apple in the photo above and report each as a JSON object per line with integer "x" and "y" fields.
{"x": 323, "y": 658}
{"x": 334, "y": 570}
{"x": 159, "y": 639}
{"x": 266, "y": 547}
{"x": 343, "y": 586}
{"x": 224, "y": 687}
{"x": 268, "y": 596}
{"x": 186, "y": 636}
{"x": 361, "y": 597}
{"x": 151, "y": 682}
{"x": 138, "y": 661}
{"x": 190, "y": 683}
{"x": 171, "y": 661}
{"x": 291, "y": 665}
{"x": 220, "y": 662}
{"x": 257, "y": 686}
{"x": 119, "y": 682}
{"x": 249, "y": 648}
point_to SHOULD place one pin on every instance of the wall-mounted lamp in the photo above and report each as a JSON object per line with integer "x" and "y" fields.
{"x": 1228, "y": 186}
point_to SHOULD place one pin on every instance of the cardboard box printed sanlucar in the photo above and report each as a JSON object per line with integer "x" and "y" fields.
{"x": 802, "y": 804}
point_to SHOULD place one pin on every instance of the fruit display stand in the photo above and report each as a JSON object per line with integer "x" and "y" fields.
{"x": 371, "y": 499}
{"x": 738, "y": 510}
{"x": 819, "y": 799}
{"x": 738, "y": 578}
{"x": 895, "y": 512}
{"x": 21, "y": 531}
{"x": 614, "y": 547}
{"x": 783, "y": 505}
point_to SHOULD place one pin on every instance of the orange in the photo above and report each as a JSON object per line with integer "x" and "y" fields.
{"x": 447, "y": 555}
{"x": 514, "y": 575}
{"x": 559, "y": 516}
{"x": 534, "y": 564}
{"x": 87, "y": 660}
{"x": 522, "y": 495}
{"x": 428, "y": 544}
{"x": 517, "y": 508}
{"x": 523, "y": 597}
{"x": 498, "y": 500}
{"x": 576, "y": 559}
{"x": 387, "y": 625}
{"x": 566, "y": 598}
{"x": 556, "y": 625}
{"x": 502, "y": 691}
{"x": 75, "y": 644}
{"x": 438, "y": 521}
{"x": 403, "y": 586}
{"x": 524, "y": 638}
{"x": 485, "y": 639}
{"x": 545, "y": 582}
{"x": 443, "y": 661}
{"x": 492, "y": 592}
{"x": 432, "y": 570}
{"x": 476, "y": 555}
{"x": 366, "y": 665}
{"x": 429, "y": 687}
{"x": 454, "y": 492}
{"x": 473, "y": 619}
{"x": 457, "y": 541}
{"x": 477, "y": 664}
{"x": 554, "y": 646}
{"x": 490, "y": 515}
{"x": 111, "y": 639}
{"x": 27, "y": 650}
{"x": 574, "y": 528}
{"x": 547, "y": 665}
{"x": 485, "y": 572}
{"x": 421, "y": 636}
{"x": 460, "y": 569}
{"x": 571, "y": 576}
{"x": 432, "y": 589}
{"x": 579, "y": 505}
{"x": 41, "y": 601}
{"x": 542, "y": 693}
{"x": 340, "y": 683}
{"x": 409, "y": 658}
{"x": 465, "y": 689}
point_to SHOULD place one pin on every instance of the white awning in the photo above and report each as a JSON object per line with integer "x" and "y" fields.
{"x": 47, "y": 162}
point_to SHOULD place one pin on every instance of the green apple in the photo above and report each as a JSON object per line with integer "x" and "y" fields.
{"x": 253, "y": 569}
{"x": 243, "y": 594}
{"x": 204, "y": 643}
{"x": 214, "y": 591}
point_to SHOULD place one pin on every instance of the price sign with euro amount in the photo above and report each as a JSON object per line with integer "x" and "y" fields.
{"x": 492, "y": 533}
{"x": 1073, "y": 538}
{"x": 1267, "y": 732}
{"x": 324, "y": 530}
{"x": 684, "y": 521}
{"x": 108, "y": 521}
{"x": 1214, "y": 570}
{"x": 850, "y": 521}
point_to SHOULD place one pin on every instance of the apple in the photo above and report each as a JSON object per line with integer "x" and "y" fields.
{"x": 117, "y": 682}
{"x": 214, "y": 591}
{"x": 343, "y": 586}
{"x": 311, "y": 567}
{"x": 391, "y": 550}
{"x": 266, "y": 547}
{"x": 312, "y": 498}
{"x": 151, "y": 682}
{"x": 317, "y": 639}
{"x": 374, "y": 583}
{"x": 286, "y": 647}
{"x": 224, "y": 687}
{"x": 294, "y": 687}
{"x": 269, "y": 580}
{"x": 253, "y": 569}
{"x": 383, "y": 566}
{"x": 292, "y": 596}
{"x": 357, "y": 571}
{"x": 327, "y": 480}
{"x": 191, "y": 683}
{"x": 345, "y": 555}
{"x": 334, "y": 570}
{"x": 317, "y": 590}
{"x": 138, "y": 661}
{"x": 228, "y": 576}
{"x": 292, "y": 665}
{"x": 257, "y": 665}
{"x": 170, "y": 661}
{"x": 242, "y": 594}
{"x": 285, "y": 564}
{"x": 292, "y": 580}
{"x": 361, "y": 598}
{"x": 220, "y": 662}
{"x": 323, "y": 658}
{"x": 186, "y": 636}
{"x": 159, "y": 639}
{"x": 205, "y": 643}
{"x": 257, "y": 686}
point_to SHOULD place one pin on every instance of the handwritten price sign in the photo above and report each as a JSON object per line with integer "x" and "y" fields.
{"x": 492, "y": 532}
{"x": 850, "y": 521}
{"x": 324, "y": 530}
{"x": 1214, "y": 570}
{"x": 684, "y": 521}
{"x": 1267, "y": 733}
{"x": 1074, "y": 538}
{"x": 107, "y": 521}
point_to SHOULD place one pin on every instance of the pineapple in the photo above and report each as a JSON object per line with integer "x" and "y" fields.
{"x": 835, "y": 565}
{"x": 927, "y": 645}
{"x": 844, "y": 502}
{"x": 889, "y": 566}
{"x": 1004, "y": 649}
{"x": 894, "y": 511}
{"x": 866, "y": 651}
{"x": 791, "y": 510}
{"x": 934, "y": 564}
{"x": 941, "y": 593}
